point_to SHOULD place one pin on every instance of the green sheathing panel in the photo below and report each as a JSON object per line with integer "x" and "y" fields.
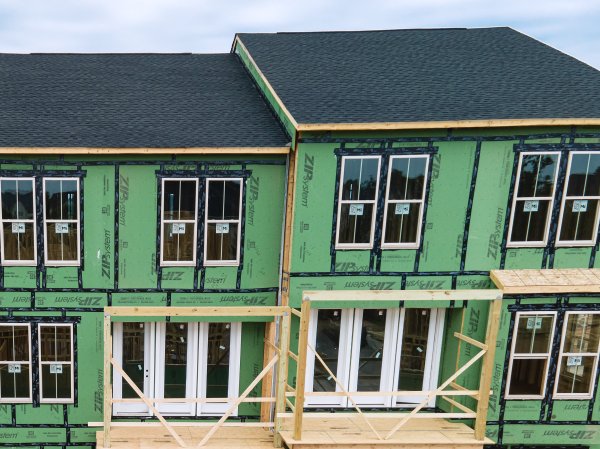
{"x": 551, "y": 435}
{"x": 251, "y": 364}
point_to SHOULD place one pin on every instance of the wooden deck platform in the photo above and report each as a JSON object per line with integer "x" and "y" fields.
{"x": 327, "y": 433}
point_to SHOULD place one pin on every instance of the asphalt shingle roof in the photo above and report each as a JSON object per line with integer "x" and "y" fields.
{"x": 423, "y": 75}
{"x": 132, "y": 100}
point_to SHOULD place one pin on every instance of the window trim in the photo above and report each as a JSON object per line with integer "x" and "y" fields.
{"x": 175, "y": 263}
{"x": 19, "y": 263}
{"x": 551, "y": 199}
{"x": 62, "y": 263}
{"x": 570, "y": 243}
{"x": 71, "y": 364}
{"x": 30, "y": 398}
{"x": 370, "y": 244}
{"x": 538, "y": 356}
{"x": 223, "y": 263}
{"x": 417, "y": 244}
{"x": 562, "y": 353}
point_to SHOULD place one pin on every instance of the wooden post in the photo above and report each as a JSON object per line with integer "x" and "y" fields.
{"x": 107, "y": 379}
{"x": 487, "y": 368}
{"x": 282, "y": 376}
{"x": 301, "y": 368}
{"x": 267, "y": 383}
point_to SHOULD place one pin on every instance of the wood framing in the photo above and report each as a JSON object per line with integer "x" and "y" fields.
{"x": 233, "y": 311}
{"x": 144, "y": 151}
{"x": 576, "y": 280}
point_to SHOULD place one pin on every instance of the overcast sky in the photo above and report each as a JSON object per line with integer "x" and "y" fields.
{"x": 203, "y": 26}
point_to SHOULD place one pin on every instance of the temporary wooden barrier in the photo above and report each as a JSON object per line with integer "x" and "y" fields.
{"x": 570, "y": 280}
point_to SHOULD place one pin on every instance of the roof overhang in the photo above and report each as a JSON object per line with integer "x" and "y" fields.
{"x": 576, "y": 280}
{"x": 144, "y": 151}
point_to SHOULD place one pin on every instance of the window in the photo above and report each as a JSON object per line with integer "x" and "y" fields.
{"x": 61, "y": 221}
{"x": 532, "y": 202}
{"x": 56, "y": 362}
{"x": 19, "y": 246}
{"x": 357, "y": 202}
{"x": 579, "y": 211}
{"x": 15, "y": 363}
{"x": 578, "y": 356}
{"x": 223, "y": 221}
{"x": 178, "y": 221}
{"x": 530, "y": 354}
{"x": 407, "y": 178}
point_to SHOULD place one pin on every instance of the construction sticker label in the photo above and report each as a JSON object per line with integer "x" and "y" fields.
{"x": 14, "y": 368}
{"x": 531, "y": 206}
{"x": 61, "y": 228}
{"x": 402, "y": 208}
{"x": 534, "y": 323}
{"x": 55, "y": 368}
{"x": 178, "y": 228}
{"x": 18, "y": 228}
{"x": 580, "y": 205}
{"x": 574, "y": 360}
{"x": 357, "y": 209}
{"x": 222, "y": 228}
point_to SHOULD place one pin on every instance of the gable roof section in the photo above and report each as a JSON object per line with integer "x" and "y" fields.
{"x": 132, "y": 101}
{"x": 430, "y": 75}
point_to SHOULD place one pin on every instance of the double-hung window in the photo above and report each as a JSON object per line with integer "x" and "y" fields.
{"x": 579, "y": 211}
{"x": 56, "y": 362}
{"x": 15, "y": 363}
{"x": 533, "y": 199}
{"x": 61, "y": 221}
{"x": 223, "y": 210}
{"x": 179, "y": 217}
{"x": 578, "y": 357}
{"x": 357, "y": 202}
{"x": 19, "y": 242}
{"x": 530, "y": 355}
{"x": 405, "y": 196}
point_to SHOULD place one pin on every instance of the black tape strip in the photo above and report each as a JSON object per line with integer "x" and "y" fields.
{"x": 242, "y": 231}
{"x": 117, "y": 220}
{"x": 551, "y": 247}
{"x": 571, "y": 146}
{"x": 338, "y": 171}
{"x": 41, "y": 270}
{"x": 46, "y": 173}
{"x": 432, "y": 161}
{"x": 111, "y": 162}
{"x": 199, "y": 230}
{"x": 81, "y": 265}
{"x": 385, "y": 149}
{"x": 35, "y": 354}
{"x": 75, "y": 369}
{"x": 375, "y": 255}
{"x": 158, "y": 267}
{"x": 204, "y": 174}
{"x": 389, "y": 273}
{"x": 40, "y": 319}
{"x": 547, "y": 403}
{"x": 511, "y": 193}
{"x": 13, "y": 414}
{"x": 592, "y": 402}
{"x": 465, "y": 241}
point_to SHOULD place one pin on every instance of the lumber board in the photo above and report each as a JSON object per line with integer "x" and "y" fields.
{"x": 233, "y": 311}
{"x": 527, "y": 281}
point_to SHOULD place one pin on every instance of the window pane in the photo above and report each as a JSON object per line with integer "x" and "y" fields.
{"x": 17, "y": 199}
{"x": 176, "y": 347}
{"x": 537, "y": 175}
{"x": 19, "y": 243}
{"x": 61, "y": 241}
{"x": 217, "y": 372}
{"x": 529, "y": 221}
{"x": 178, "y": 242}
{"x": 576, "y": 374}
{"x": 179, "y": 200}
{"x": 584, "y": 176}
{"x": 578, "y": 220}
{"x": 224, "y": 200}
{"x": 360, "y": 179}
{"x": 582, "y": 333}
{"x": 414, "y": 349}
{"x": 56, "y": 381}
{"x": 527, "y": 377}
{"x": 327, "y": 346}
{"x": 61, "y": 199}
{"x": 355, "y": 223}
{"x": 221, "y": 241}
{"x": 371, "y": 350}
{"x": 14, "y": 343}
{"x": 407, "y": 179}
{"x": 402, "y": 223}
{"x": 14, "y": 380}
{"x": 133, "y": 357}
{"x": 533, "y": 334}
{"x": 55, "y": 343}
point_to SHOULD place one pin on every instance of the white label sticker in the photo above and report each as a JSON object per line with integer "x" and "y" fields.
{"x": 222, "y": 228}
{"x": 178, "y": 228}
{"x": 402, "y": 208}
{"x": 55, "y": 368}
{"x": 18, "y": 228}
{"x": 14, "y": 368}
{"x": 61, "y": 228}
{"x": 574, "y": 360}
{"x": 534, "y": 323}
{"x": 531, "y": 206}
{"x": 357, "y": 209}
{"x": 580, "y": 205}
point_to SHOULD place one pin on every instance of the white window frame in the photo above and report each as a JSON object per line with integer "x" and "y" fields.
{"x": 562, "y": 353}
{"x": 193, "y": 222}
{"x": 21, "y": 362}
{"x": 62, "y": 263}
{"x": 341, "y": 202}
{"x": 416, "y": 244}
{"x": 21, "y": 263}
{"x": 70, "y": 399}
{"x": 538, "y": 356}
{"x": 591, "y": 242}
{"x": 223, "y": 263}
{"x": 533, "y": 244}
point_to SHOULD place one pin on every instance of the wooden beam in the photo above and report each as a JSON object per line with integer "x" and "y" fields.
{"x": 301, "y": 369}
{"x": 288, "y": 230}
{"x": 107, "y": 380}
{"x": 557, "y": 280}
{"x": 470, "y": 340}
{"x": 196, "y": 311}
{"x": 182, "y": 424}
{"x": 458, "y": 405}
{"x": 471, "y": 393}
{"x": 269, "y": 350}
{"x": 282, "y": 377}
{"x": 192, "y": 400}
{"x": 144, "y": 151}
{"x": 402, "y": 295}
{"x": 384, "y": 415}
